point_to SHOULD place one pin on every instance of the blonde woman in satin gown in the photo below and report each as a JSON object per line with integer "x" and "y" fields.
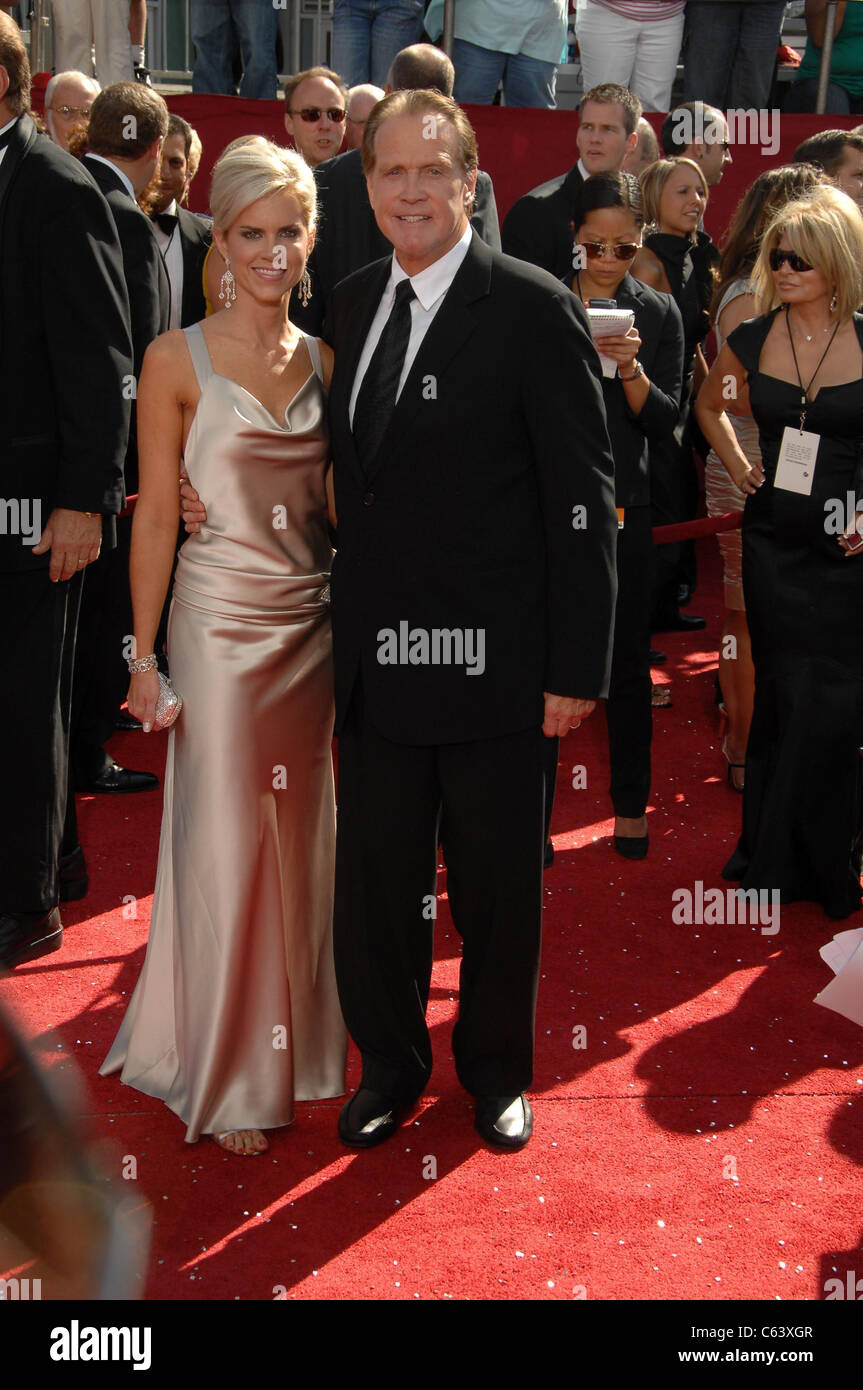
{"x": 235, "y": 1015}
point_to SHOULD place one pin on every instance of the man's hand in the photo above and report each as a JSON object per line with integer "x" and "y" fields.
{"x": 563, "y": 714}
{"x": 192, "y": 509}
{"x": 851, "y": 539}
{"x": 74, "y": 540}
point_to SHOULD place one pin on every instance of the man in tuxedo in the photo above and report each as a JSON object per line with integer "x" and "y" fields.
{"x": 128, "y": 123}
{"x": 350, "y": 236}
{"x": 473, "y": 590}
{"x": 65, "y": 351}
{"x": 183, "y": 237}
{"x": 538, "y": 227}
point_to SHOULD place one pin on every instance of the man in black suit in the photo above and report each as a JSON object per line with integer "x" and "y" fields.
{"x": 128, "y": 123}
{"x": 473, "y": 590}
{"x": 183, "y": 237}
{"x": 538, "y": 227}
{"x": 349, "y": 235}
{"x": 65, "y": 351}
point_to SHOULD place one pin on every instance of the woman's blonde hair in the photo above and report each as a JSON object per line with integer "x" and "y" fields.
{"x": 653, "y": 180}
{"x": 826, "y": 229}
{"x": 251, "y": 168}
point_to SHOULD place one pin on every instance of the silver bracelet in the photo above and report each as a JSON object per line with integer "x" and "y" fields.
{"x": 138, "y": 665}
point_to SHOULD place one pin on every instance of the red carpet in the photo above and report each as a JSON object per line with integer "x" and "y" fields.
{"x": 704, "y": 1143}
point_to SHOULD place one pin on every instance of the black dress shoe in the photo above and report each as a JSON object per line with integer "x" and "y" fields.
{"x": 127, "y": 722}
{"x": 73, "y": 876}
{"x": 548, "y": 855}
{"x": 505, "y": 1121}
{"x": 679, "y": 622}
{"x": 114, "y": 778}
{"x": 368, "y": 1118}
{"x": 656, "y": 658}
{"x": 632, "y": 846}
{"x": 28, "y": 935}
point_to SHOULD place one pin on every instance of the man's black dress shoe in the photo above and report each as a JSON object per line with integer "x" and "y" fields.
{"x": 73, "y": 876}
{"x": 656, "y": 658}
{"x": 679, "y": 622}
{"x": 114, "y": 778}
{"x": 632, "y": 846}
{"x": 28, "y": 935}
{"x": 368, "y": 1118}
{"x": 505, "y": 1121}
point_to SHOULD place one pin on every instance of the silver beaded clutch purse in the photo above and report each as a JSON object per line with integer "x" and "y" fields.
{"x": 168, "y": 704}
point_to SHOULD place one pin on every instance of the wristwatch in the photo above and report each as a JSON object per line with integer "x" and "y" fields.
{"x": 638, "y": 371}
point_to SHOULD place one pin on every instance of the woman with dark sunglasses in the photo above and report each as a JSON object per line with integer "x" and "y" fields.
{"x": 801, "y": 362}
{"x": 642, "y": 397}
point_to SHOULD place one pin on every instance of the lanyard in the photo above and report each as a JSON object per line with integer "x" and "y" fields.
{"x": 804, "y": 390}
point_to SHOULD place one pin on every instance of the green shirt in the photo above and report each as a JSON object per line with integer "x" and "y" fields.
{"x": 846, "y": 68}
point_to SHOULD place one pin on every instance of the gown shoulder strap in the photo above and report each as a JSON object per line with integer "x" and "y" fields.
{"x": 199, "y": 353}
{"x": 315, "y": 354}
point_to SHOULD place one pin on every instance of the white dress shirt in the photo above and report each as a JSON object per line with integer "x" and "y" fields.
{"x": 172, "y": 254}
{"x": 3, "y": 130}
{"x": 429, "y": 286}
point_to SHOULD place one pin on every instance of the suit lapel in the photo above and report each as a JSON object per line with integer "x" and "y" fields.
{"x": 348, "y": 354}
{"x": 449, "y": 330}
{"x": 21, "y": 139}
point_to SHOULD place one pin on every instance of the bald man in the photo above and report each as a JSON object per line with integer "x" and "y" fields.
{"x": 361, "y": 99}
{"x": 68, "y": 98}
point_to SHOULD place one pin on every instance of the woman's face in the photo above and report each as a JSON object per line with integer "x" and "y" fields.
{"x": 799, "y": 286}
{"x": 607, "y": 227}
{"x": 267, "y": 246}
{"x": 682, "y": 202}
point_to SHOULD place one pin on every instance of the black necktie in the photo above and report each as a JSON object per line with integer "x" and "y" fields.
{"x": 377, "y": 396}
{"x": 167, "y": 221}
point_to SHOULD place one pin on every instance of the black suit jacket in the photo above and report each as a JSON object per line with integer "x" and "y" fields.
{"x": 538, "y": 227}
{"x": 348, "y": 236}
{"x": 468, "y": 518}
{"x": 146, "y": 281}
{"x": 65, "y": 344}
{"x": 660, "y": 328}
{"x": 196, "y": 234}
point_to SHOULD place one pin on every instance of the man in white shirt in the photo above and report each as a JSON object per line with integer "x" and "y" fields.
{"x": 183, "y": 237}
{"x": 68, "y": 99}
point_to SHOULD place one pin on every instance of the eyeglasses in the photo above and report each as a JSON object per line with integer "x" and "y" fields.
{"x": 310, "y": 114}
{"x": 778, "y": 258}
{"x": 623, "y": 252}
{"x": 67, "y": 111}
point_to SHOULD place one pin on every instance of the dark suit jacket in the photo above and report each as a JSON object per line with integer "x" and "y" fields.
{"x": 65, "y": 344}
{"x": 660, "y": 328}
{"x": 348, "y": 236}
{"x": 146, "y": 281}
{"x": 467, "y": 518}
{"x": 196, "y": 234}
{"x": 538, "y": 228}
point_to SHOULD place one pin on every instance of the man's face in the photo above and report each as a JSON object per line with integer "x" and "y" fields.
{"x": 358, "y": 112}
{"x": 714, "y": 154}
{"x": 70, "y": 108}
{"x": 418, "y": 189}
{"x": 322, "y": 137}
{"x": 849, "y": 175}
{"x": 174, "y": 172}
{"x": 602, "y": 139}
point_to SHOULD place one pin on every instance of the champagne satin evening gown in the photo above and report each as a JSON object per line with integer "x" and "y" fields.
{"x": 236, "y": 1015}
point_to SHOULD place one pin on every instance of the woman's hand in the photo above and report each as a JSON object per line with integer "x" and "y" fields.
{"x": 192, "y": 509}
{"x": 751, "y": 480}
{"x": 623, "y": 348}
{"x": 851, "y": 539}
{"x": 142, "y": 697}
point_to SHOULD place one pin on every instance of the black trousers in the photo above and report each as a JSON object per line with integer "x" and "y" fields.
{"x": 38, "y": 622}
{"x": 485, "y": 799}
{"x": 101, "y": 674}
{"x": 628, "y": 708}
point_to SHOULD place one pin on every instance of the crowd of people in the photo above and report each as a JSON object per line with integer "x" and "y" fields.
{"x": 341, "y": 401}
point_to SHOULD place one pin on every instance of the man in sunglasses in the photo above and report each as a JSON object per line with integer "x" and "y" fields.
{"x": 68, "y": 98}
{"x": 698, "y": 132}
{"x": 315, "y": 113}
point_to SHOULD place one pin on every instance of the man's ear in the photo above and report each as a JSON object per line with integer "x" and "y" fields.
{"x": 632, "y": 141}
{"x": 4, "y": 84}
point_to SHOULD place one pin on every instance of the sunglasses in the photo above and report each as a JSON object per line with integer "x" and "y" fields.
{"x": 778, "y": 258}
{"x": 310, "y": 114}
{"x": 593, "y": 250}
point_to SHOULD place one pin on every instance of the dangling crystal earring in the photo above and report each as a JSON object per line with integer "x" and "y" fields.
{"x": 834, "y": 303}
{"x": 228, "y": 286}
{"x": 305, "y": 287}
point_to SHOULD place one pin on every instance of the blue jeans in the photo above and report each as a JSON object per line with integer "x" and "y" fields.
{"x": 367, "y": 35}
{"x": 729, "y": 52}
{"x": 478, "y": 71}
{"x": 215, "y": 26}
{"x": 801, "y": 97}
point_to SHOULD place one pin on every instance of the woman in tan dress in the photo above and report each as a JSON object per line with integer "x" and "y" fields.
{"x": 235, "y": 1015}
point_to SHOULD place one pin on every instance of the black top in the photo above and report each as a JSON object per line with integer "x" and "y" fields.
{"x": 657, "y": 319}
{"x": 688, "y": 266}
